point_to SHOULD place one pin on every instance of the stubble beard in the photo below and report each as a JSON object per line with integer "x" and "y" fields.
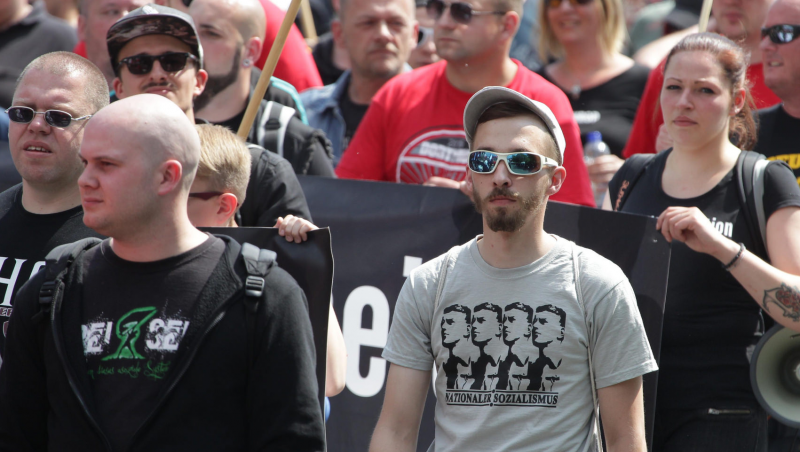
{"x": 503, "y": 219}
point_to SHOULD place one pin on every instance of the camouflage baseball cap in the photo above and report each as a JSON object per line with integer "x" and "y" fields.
{"x": 153, "y": 19}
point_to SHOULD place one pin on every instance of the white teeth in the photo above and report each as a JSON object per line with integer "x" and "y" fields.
{"x": 774, "y": 63}
{"x": 36, "y": 148}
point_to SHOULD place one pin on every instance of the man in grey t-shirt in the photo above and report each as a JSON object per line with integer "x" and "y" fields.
{"x": 520, "y": 326}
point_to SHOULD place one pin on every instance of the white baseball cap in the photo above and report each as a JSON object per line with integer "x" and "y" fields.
{"x": 493, "y": 95}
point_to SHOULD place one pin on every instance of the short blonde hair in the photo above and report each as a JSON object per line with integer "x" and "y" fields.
{"x": 613, "y": 32}
{"x": 224, "y": 160}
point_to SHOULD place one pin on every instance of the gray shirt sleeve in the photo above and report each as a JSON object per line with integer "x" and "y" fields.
{"x": 620, "y": 349}
{"x": 409, "y": 343}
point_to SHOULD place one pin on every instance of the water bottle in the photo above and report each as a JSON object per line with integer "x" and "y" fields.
{"x": 595, "y": 148}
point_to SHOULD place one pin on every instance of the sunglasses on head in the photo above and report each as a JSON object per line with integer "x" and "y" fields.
{"x": 205, "y": 195}
{"x": 460, "y": 12}
{"x": 170, "y": 62}
{"x": 519, "y": 163}
{"x": 553, "y": 4}
{"x": 55, "y": 118}
{"x": 781, "y": 34}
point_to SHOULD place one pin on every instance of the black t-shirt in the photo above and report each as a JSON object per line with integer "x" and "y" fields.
{"x": 134, "y": 315}
{"x": 777, "y": 137}
{"x": 609, "y": 108}
{"x": 33, "y": 36}
{"x": 352, "y": 113}
{"x": 710, "y": 320}
{"x": 25, "y": 240}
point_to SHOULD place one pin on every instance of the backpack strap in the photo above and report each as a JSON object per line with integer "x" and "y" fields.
{"x": 452, "y": 255}
{"x": 57, "y": 264}
{"x": 273, "y": 126}
{"x": 590, "y": 337}
{"x": 749, "y": 173}
{"x": 758, "y": 199}
{"x": 631, "y": 172}
{"x": 258, "y": 263}
{"x": 289, "y": 89}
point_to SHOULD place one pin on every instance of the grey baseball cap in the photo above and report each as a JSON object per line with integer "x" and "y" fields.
{"x": 153, "y": 19}
{"x": 493, "y": 95}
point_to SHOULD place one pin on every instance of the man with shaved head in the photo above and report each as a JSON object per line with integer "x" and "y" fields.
{"x": 232, "y": 35}
{"x": 55, "y": 96}
{"x": 148, "y": 348}
{"x": 163, "y": 45}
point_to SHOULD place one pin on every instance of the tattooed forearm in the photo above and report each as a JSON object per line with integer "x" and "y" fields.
{"x": 786, "y": 298}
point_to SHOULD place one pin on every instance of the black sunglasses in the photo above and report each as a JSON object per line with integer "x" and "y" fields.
{"x": 781, "y": 34}
{"x": 519, "y": 163}
{"x": 553, "y": 4}
{"x": 187, "y": 3}
{"x": 55, "y": 118}
{"x": 205, "y": 195}
{"x": 170, "y": 62}
{"x": 460, "y": 12}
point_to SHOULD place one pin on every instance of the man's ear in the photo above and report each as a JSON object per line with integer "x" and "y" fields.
{"x": 556, "y": 180}
{"x": 81, "y": 27}
{"x": 118, "y": 89}
{"x": 511, "y": 22}
{"x": 170, "y": 176}
{"x": 468, "y": 181}
{"x": 336, "y": 31}
{"x": 252, "y": 49}
{"x": 200, "y": 82}
{"x": 228, "y": 203}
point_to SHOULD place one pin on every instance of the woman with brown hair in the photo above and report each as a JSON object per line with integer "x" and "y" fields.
{"x": 603, "y": 85}
{"x": 705, "y": 401}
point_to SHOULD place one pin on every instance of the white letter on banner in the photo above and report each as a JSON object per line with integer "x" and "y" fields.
{"x": 355, "y": 337}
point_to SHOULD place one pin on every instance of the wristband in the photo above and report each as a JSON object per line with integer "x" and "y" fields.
{"x": 735, "y": 258}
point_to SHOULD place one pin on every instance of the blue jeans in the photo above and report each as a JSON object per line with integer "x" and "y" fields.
{"x": 719, "y": 429}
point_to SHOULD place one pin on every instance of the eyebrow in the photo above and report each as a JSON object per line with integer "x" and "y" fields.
{"x": 210, "y": 27}
{"x": 702, "y": 80}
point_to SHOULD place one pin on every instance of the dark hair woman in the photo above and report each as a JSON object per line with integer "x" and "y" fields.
{"x": 705, "y": 401}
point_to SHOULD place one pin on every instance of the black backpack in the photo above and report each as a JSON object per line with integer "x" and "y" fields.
{"x": 750, "y": 168}
{"x": 258, "y": 263}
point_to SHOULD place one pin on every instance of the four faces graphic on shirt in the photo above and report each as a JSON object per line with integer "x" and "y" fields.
{"x": 510, "y": 348}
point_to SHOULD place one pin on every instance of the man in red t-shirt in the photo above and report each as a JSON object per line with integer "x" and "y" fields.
{"x": 295, "y": 66}
{"x": 740, "y": 21}
{"x": 413, "y": 131}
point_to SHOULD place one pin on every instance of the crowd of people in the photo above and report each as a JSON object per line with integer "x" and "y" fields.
{"x": 117, "y": 141}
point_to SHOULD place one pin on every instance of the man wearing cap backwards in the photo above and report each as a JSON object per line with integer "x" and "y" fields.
{"x": 155, "y": 49}
{"x": 149, "y": 348}
{"x": 515, "y": 165}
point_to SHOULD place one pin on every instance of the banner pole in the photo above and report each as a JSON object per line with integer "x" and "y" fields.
{"x": 307, "y": 20}
{"x": 705, "y": 14}
{"x": 269, "y": 69}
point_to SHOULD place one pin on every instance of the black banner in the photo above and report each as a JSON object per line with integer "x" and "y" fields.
{"x": 381, "y": 231}
{"x": 311, "y": 264}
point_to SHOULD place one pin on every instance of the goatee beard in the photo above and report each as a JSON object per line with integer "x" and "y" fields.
{"x": 502, "y": 219}
{"x": 217, "y": 83}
